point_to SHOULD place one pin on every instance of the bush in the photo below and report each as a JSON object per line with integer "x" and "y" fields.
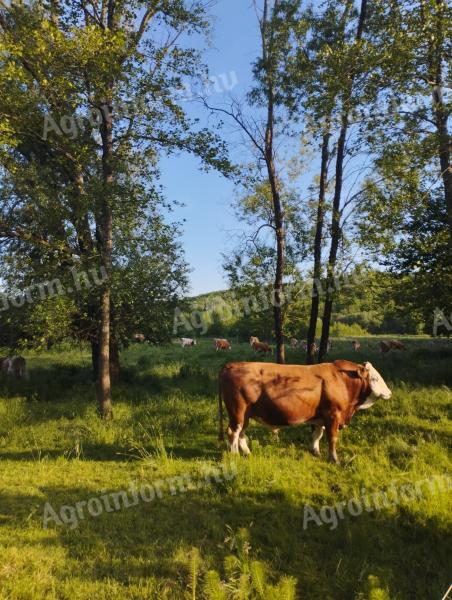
{"x": 345, "y": 329}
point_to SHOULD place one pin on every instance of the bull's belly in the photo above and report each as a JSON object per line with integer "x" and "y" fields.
{"x": 276, "y": 424}
{"x": 283, "y": 412}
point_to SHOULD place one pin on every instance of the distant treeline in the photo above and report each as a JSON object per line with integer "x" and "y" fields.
{"x": 367, "y": 302}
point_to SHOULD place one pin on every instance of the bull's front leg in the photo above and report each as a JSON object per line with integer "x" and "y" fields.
{"x": 332, "y": 431}
{"x": 317, "y": 433}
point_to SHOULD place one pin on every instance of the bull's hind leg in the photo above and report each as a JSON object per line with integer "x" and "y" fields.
{"x": 243, "y": 440}
{"x": 243, "y": 444}
{"x": 317, "y": 433}
{"x": 237, "y": 438}
{"x": 234, "y": 437}
{"x": 332, "y": 430}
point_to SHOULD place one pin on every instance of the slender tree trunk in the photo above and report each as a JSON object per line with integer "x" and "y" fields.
{"x": 115, "y": 367}
{"x": 278, "y": 299}
{"x": 280, "y": 240}
{"x": 115, "y": 363}
{"x": 278, "y": 212}
{"x": 335, "y": 221}
{"x": 444, "y": 150}
{"x": 316, "y": 284}
{"x": 335, "y": 239}
{"x": 440, "y": 111}
{"x": 106, "y": 245}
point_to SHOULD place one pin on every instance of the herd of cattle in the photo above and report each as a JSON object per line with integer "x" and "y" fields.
{"x": 326, "y": 395}
{"x": 265, "y": 348}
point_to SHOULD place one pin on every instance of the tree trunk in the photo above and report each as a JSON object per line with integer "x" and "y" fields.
{"x": 115, "y": 364}
{"x": 106, "y": 245}
{"x": 335, "y": 239}
{"x": 316, "y": 285}
{"x": 278, "y": 299}
{"x": 278, "y": 213}
{"x": 440, "y": 111}
{"x": 335, "y": 221}
{"x": 280, "y": 241}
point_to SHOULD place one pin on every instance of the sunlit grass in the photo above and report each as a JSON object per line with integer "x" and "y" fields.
{"x": 224, "y": 537}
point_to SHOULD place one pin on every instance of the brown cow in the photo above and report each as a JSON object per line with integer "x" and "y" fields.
{"x": 396, "y": 345}
{"x": 356, "y": 345}
{"x": 262, "y": 347}
{"x": 325, "y": 395}
{"x": 385, "y": 347}
{"x": 253, "y": 340}
{"x": 314, "y": 348}
{"x": 222, "y": 344}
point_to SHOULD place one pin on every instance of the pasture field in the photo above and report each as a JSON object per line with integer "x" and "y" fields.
{"x": 239, "y": 535}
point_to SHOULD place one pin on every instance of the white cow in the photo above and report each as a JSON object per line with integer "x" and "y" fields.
{"x": 14, "y": 366}
{"x": 187, "y": 342}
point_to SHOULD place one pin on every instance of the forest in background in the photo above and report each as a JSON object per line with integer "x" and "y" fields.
{"x": 339, "y": 155}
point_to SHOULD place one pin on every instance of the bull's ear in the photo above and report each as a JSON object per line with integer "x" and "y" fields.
{"x": 364, "y": 370}
{"x": 347, "y": 365}
{"x": 353, "y": 370}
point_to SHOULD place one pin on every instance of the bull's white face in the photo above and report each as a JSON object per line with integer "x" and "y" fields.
{"x": 378, "y": 387}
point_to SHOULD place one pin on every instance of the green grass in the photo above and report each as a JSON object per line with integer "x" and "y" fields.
{"x": 236, "y": 538}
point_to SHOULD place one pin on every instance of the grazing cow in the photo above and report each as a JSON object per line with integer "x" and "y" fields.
{"x": 187, "y": 342}
{"x": 396, "y": 345}
{"x": 221, "y": 344}
{"x": 262, "y": 347}
{"x": 385, "y": 347}
{"x": 14, "y": 366}
{"x": 325, "y": 395}
{"x": 253, "y": 340}
{"x": 293, "y": 343}
{"x": 356, "y": 345}
{"x": 139, "y": 337}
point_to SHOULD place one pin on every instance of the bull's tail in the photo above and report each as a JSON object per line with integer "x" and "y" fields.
{"x": 220, "y": 412}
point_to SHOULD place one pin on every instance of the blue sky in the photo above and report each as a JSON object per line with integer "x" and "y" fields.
{"x": 207, "y": 196}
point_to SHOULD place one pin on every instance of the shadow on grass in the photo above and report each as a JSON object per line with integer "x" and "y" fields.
{"x": 409, "y": 555}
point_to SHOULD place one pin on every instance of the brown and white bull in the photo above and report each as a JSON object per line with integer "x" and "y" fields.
{"x": 221, "y": 344}
{"x": 326, "y": 396}
{"x": 262, "y": 347}
{"x": 356, "y": 345}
